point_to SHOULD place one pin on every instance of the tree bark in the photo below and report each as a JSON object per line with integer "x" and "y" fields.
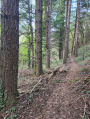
{"x": 73, "y": 45}
{"x": 62, "y": 29}
{"x": 38, "y": 37}
{"x": 77, "y": 29}
{"x": 1, "y": 82}
{"x": 48, "y": 32}
{"x": 32, "y": 39}
{"x": 29, "y": 48}
{"x": 61, "y": 45}
{"x": 67, "y": 26}
{"x": 10, "y": 47}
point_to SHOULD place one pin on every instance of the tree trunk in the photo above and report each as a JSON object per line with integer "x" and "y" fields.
{"x": 62, "y": 30}
{"x": 73, "y": 45}
{"x": 60, "y": 45}
{"x": 32, "y": 39}
{"x": 10, "y": 47}
{"x": 48, "y": 32}
{"x": 77, "y": 29}
{"x": 85, "y": 30}
{"x": 1, "y": 82}
{"x": 67, "y": 26}
{"x": 29, "y": 48}
{"x": 38, "y": 37}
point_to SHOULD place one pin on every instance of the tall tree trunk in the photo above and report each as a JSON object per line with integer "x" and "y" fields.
{"x": 67, "y": 26}
{"x": 85, "y": 30}
{"x": 73, "y": 45}
{"x": 60, "y": 45}
{"x": 38, "y": 37}
{"x": 77, "y": 29}
{"x": 31, "y": 30}
{"x": 48, "y": 32}
{"x": 1, "y": 82}
{"x": 32, "y": 39}
{"x": 10, "y": 47}
{"x": 29, "y": 48}
{"x": 62, "y": 30}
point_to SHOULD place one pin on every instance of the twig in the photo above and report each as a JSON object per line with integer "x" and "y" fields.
{"x": 54, "y": 71}
{"x": 6, "y": 116}
{"x": 36, "y": 85}
{"x": 85, "y": 109}
{"x": 85, "y": 84}
{"x": 33, "y": 88}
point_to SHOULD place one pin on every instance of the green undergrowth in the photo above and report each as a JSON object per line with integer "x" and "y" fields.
{"x": 57, "y": 81}
{"x": 75, "y": 80}
{"x": 83, "y": 55}
{"x": 55, "y": 63}
{"x": 85, "y": 71}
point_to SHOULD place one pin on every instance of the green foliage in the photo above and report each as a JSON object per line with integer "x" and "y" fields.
{"x": 75, "y": 80}
{"x": 85, "y": 71}
{"x": 57, "y": 36}
{"x": 86, "y": 92}
{"x": 31, "y": 97}
{"x": 12, "y": 113}
{"x": 83, "y": 54}
{"x": 57, "y": 81}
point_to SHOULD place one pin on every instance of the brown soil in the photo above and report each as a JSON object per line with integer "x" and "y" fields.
{"x": 58, "y": 98}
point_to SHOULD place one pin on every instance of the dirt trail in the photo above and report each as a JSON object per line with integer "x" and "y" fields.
{"x": 60, "y": 104}
{"x": 59, "y": 101}
{"x": 62, "y": 97}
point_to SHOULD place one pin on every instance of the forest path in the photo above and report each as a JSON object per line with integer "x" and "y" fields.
{"x": 61, "y": 103}
{"x": 59, "y": 99}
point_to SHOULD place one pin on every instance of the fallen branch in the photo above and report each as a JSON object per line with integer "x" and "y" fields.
{"x": 60, "y": 69}
{"x": 48, "y": 70}
{"x": 36, "y": 85}
{"x": 33, "y": 88}
{"x": 84, "y": 108}
{"x": 53, "y": 72}
{"x": 6, "y": 116}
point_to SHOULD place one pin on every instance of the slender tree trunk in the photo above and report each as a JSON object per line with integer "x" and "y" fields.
{"x": 1, "y": 82}
{"x": 62, "y": 31}
{"x": 85, "y": 30}
{"x": 60, "y": 45}
{"x": 48, "y": 32}
{"x": 10, "y": 47}
{"x": 38, "y": 37}
{"x": 32, "y": 39}
{"x": 29, "y": 48}
{"x": 77, "y": 29}
{"x": 31, "y": 30}
{"x": 68, "y": 23}
{"x": 67, "y": 26}
{"x": 73, "y": 46}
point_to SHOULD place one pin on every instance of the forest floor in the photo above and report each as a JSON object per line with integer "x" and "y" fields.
{"x": 64, "y": 96}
